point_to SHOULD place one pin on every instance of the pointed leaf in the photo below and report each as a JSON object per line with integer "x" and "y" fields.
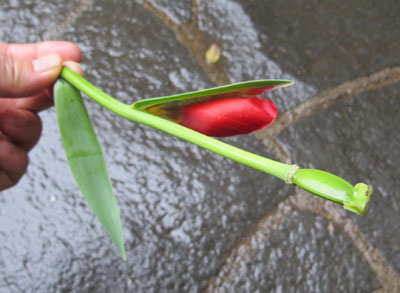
{"x": 86, "y": 159}
{"x": 244, "y": 89}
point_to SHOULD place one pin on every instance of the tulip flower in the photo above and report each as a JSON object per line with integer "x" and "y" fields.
{"x": 228, "y": 117}
{"x": 194, "y": 117}
{"x": 219, "y": 112}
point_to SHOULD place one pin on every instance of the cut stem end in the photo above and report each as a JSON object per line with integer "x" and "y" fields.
{"x": 359, "y": 202}
{"x": 331, "y": 187}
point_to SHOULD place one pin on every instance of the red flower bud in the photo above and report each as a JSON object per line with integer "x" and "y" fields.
{"x": 228, "y": 117}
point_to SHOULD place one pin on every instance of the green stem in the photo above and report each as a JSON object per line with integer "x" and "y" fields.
{"x": 263, "y": 164}
{"x": 319, "y": 182}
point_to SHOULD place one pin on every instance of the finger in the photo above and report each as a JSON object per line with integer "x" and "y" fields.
{"x": 21, "y": 78}
{"x": 13, "y": 164}
{"x": 22, "y": 127}
{"x": 44, "y": 100}
{"x": 35, "y": 104}
{"x": 40, "y": 101}
{"x": 74, "y": 66}
{"x": 67, "y": 50}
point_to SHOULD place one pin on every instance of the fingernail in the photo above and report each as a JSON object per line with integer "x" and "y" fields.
{"x": 74, "y": 66}
{"x": 46, "y": 62}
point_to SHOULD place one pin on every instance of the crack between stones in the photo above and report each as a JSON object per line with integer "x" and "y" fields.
{"x": 192, "y": 38}
{"x": 69, "y": 20}
{"x": 302, "y": 201}
{"x": 243, "y": 252}
{"x": 387, "y": 276}
{"x": 275, "y": 147}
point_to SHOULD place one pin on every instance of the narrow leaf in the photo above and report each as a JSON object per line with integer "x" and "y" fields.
{"x": 245, "y": 89}
{"x": 86, "y": 159}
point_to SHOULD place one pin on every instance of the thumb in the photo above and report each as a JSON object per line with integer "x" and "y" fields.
{"x": 23, "y": 78}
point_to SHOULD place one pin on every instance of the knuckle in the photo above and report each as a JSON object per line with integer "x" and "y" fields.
{"x": 11, "y": 73}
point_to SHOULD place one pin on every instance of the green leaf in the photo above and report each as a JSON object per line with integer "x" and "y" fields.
{"x": 242, "y": 89}
{"x": 86, "y": 159}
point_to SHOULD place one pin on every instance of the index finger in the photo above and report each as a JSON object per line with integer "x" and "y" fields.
{"x": 67, "y": 50}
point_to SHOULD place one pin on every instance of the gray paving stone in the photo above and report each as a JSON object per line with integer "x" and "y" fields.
{"x": 324, "y": 43}
{"x": 304, "y": 255}
{"x": 359, "y": 140}
{"x": 28, "y": 21}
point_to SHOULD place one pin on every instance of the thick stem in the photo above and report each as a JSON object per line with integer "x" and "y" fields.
{"x": 324, "y": 184}
{"x": 260, "y": 163}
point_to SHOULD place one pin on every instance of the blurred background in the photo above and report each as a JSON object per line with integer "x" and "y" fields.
{"x": 194, "y": 221}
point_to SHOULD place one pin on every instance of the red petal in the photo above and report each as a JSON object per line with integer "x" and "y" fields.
{"x": 228, "y": 117}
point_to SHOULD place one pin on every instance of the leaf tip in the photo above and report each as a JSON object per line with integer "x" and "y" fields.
{"x": 285, "y": 83}
{"x": 121, "y": 249}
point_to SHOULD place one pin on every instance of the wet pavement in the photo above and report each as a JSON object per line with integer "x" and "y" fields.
{"x": 194, "y": 221}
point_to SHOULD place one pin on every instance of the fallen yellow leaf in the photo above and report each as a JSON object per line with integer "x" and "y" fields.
{"x": 213, "y": 54}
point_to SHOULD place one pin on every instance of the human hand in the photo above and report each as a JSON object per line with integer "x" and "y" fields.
{"x": 27, "y": 73}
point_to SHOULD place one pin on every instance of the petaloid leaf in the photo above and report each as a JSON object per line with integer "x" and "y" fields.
{"x": 86, "y": 159}
{"x": 245, "y": 89}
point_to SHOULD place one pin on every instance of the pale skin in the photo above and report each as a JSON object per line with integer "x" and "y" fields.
{"x": 27, "y": 74}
